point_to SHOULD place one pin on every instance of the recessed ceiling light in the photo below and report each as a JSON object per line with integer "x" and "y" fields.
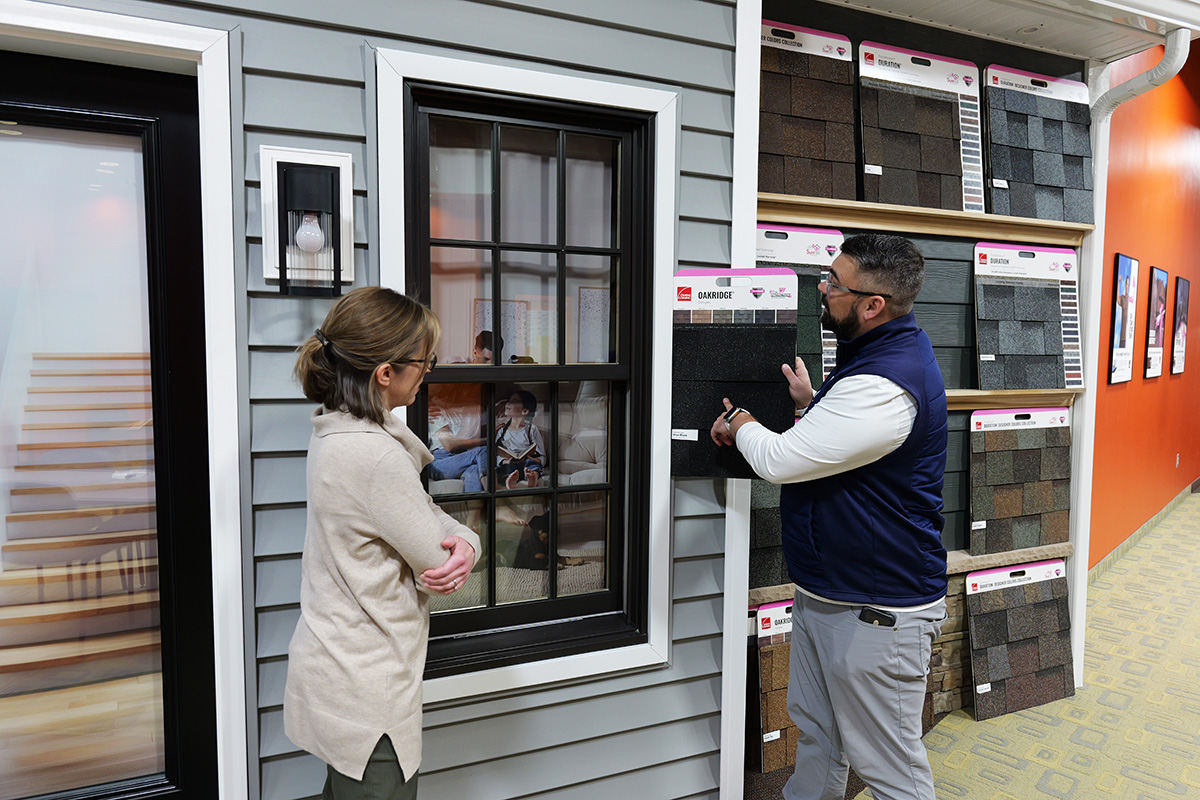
{"x": 11, "y": 133}
{"x": 93, "y": 188}
{"x": 108, "y": 171}
{"x": 7, "y": 122}
{"x": 109, "y": 164}
{"x": 1028, "y": 29}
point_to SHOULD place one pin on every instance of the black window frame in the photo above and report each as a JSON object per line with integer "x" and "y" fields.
{"x": 471, "y": 639}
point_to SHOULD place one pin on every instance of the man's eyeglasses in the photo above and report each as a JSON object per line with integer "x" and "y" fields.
{"x": 831, "y": 285}
{"x": 429, "y": 363}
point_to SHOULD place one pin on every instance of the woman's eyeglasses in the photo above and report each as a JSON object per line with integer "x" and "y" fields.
{"x": 429, "y": 363}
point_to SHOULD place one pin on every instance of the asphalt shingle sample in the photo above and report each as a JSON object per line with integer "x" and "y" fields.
{"x": 1045, "y": 143}
{"x": 806, "y": 125}
{"x": 913, "y": 135}
{"x": 1019, "y": 333}
{"x": 705, "y": 369}
{"x": 1020, "y": 639}
{"x": 1020, "y": 487}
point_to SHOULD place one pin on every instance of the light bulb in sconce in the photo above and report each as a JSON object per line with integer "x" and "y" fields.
{"x": 309, "y": 237}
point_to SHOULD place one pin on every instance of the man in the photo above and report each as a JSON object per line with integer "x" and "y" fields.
{"x": 861, "y": 510}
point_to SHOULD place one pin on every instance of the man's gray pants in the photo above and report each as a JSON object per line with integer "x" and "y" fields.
{"x": 856, "y": 693}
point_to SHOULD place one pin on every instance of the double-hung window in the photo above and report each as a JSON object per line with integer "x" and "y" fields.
{"x": 527, "y": 234}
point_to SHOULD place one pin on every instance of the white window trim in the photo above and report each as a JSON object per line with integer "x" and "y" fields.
{"x": 60, "y": 30}
{"x": 393, "y": 68}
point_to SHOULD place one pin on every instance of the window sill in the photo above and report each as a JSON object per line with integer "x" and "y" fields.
{"x": 526, "y": 676}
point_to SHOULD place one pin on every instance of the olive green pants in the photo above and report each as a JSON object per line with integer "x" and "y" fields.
{"x": 382, "y": 780}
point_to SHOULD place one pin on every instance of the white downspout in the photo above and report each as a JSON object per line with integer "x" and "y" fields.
{"x": 1091, "y": 256}
{"x": 1178, "y": 43}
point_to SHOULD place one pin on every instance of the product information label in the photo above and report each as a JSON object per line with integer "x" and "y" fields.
{"x": 775, "y": 618}
{"x": 685, "y": 435}
{"x": 792, "y": 244}
{"x": 989, "y": 580}
{"x": 1019, "y": 418}
{"x": 793, "y": 37}
{"x": 1032, "y": 83}
{"x": 755, "y": 290}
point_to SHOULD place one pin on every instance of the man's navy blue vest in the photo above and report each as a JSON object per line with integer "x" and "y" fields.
{"x": 873, "y": 535}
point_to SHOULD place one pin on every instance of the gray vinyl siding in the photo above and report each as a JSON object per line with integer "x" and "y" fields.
{"x": 306, "y": 80}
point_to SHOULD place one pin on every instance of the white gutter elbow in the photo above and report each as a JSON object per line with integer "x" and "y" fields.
{"x": 1175, "y": 55}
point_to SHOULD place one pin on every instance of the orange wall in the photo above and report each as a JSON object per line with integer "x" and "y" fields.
{"x": 1153, "y": 215}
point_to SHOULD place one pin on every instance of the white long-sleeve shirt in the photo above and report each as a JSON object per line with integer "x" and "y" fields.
{"x": 860, "y": 419}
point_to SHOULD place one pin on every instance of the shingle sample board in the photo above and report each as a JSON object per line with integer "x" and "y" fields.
{"x": 808, "y": 252}
{"x": 921, "y": 138}
{"x": 770, "y": 744}
{"x": 806, "y": 113}
{"x": 1039, "y": 146}
{"x": 1027, "y": 317}
{"x": 1020, "y": 479}
{"x": 720, "y": 316}
{"x": 1020, "y": 630}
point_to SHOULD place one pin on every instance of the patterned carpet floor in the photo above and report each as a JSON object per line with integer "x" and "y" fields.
{"x": 1133, "y": 730}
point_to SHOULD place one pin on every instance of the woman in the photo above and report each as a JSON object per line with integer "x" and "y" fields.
{"x": 375, "y": 542}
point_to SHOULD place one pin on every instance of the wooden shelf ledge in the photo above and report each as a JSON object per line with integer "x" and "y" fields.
{"x": 824, "y": 211}
{"x": 976, "y": 399}
{"x": 960, "y": 561}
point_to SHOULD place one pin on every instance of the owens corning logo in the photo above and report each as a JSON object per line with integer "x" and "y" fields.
{"x": 869, "y": 58}
{"x": 766, "y": 623}
{"x": 983, "y": 258}
{"x": 683, "y": 293}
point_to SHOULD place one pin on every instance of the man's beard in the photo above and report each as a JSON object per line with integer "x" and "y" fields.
{"x": 844, "y": 329}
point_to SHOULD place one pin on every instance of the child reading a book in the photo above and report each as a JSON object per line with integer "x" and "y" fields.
{"x": 519, "y": 445}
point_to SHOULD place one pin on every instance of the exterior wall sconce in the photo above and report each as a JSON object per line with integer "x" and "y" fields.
{"x": 307, "y": 219}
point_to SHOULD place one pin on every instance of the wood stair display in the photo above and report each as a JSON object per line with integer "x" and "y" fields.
{"x": 78, "y": 555}
{"x": 49, "y": 655}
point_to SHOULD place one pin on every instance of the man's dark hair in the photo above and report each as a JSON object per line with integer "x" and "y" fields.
{"x": 484, "y": 341}
{"x": 890, "y": 264}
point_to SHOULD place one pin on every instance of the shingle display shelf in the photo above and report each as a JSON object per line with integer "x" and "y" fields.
{"x": 826, "y": 212}
{"x": 980, "y": 399}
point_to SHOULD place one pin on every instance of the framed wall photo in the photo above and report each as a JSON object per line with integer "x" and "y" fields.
{"x": 1179, "y": 329}
{"x": 1156, "y": 323}
{"x": 1120, "y": 363}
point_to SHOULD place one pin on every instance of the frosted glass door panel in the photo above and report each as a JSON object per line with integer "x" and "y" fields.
{"x": 77, "y": 486}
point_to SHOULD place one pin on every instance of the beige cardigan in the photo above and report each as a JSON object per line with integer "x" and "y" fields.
{"x": 356, "y": 660}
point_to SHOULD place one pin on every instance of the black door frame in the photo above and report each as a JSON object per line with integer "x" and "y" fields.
{"x": 161, "y": 109}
